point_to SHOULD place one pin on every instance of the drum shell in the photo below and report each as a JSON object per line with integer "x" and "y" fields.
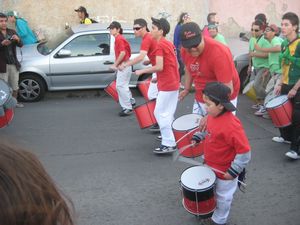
{"x": 145, "y": 114}
{"x": 7, "y": 117}
{"x": 111, "y": 89}
{"x": 143, "y": 86}
{"x": 192, "y": 151}
{"x": 281, "y": 115}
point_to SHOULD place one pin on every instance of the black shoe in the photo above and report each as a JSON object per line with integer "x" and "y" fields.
{"x": 159, "y": 138}
{"x": 154, "y": 128}
{"x": 125, "y": 112}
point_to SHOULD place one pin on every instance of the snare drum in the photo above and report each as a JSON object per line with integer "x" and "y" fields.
{"x": 198, "y": 187}
{"x": 183, "y": 128}
{"x": 249, "y": 90}
{"x": 111, "y": 89}
{"x": 280, "y": 110}
{"x": 7, "y": 103}
{"x": 143, "y": 86}
{"x": 145, "y": 114}
{"x": 269, "y": 97}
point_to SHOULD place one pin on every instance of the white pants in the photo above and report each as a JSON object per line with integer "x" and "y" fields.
{"x": 166, "y": 103}
{"x": 123, "y": 78}
{"x": 153, "y": 91}
{"x": 199, "y": 107}
{"x": 224, "y": 195}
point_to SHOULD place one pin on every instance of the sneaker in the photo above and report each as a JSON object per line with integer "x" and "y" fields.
{"x": 266, "y": 116}
{"x": 125, "y": 112}
{"x": 262, "y": 111}
{"x": 280, "y": 140}
{"x": 132, "y": 101}
{"x": 154, "y": 128}
{"x": 292, "y": 154}
{"x": 19, "y": 105}
{"x": 165, "y": 149}
{"x": 256, "y": 106}
{"x": 159, "y": 138}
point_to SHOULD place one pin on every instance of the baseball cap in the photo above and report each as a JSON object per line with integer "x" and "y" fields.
{"x": 81, "y": 9}
{"x": 162, "y": 23}
{"x": 114, "y": 24}
{"x": 141, "y": 22}
{"x": 190, "y": 35}
{"x": 221, "y": 93}
{"x": 212, "y": 26}
{"x": 12, "y": 13}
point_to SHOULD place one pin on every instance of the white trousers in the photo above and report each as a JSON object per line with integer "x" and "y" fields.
{"x": 166, "y": 103}
{"x": 123, "y": 78}
{"x": 153, "y": 91}
{"x": 224, "y": 195}
{"x": 199, "y": 107}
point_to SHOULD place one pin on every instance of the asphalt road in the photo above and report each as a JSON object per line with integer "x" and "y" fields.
{"x": 105, "y": 164}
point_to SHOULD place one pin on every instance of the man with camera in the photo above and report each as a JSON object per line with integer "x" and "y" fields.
{"x": 9, "y": 64}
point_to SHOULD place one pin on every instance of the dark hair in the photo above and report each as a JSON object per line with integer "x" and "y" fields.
{"x": 210, "y": 15}
{"x": 162, "y": 24}
{"x": 180, "y": 18}
{"x": 28, "y": 194}
{"x": 262, "y": 17}
{"x": 259, "y": 23}
{"x": 293, "y": 18}
{"x": 2, "y": 15}
{"x": 217, "y": 103}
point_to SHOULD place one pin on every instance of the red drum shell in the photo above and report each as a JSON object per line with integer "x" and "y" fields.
{"x": 198, "y": 188}
{"x": 194, "y": 119}
{"x": 145, "y": 114}
{"x": 143, "y": 86}
{"x": 280, "y": 110}
{"x": 7, "y": 118}
{"x": 111, "y": 89}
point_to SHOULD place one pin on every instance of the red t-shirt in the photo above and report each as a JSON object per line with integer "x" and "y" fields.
{"x": 226, "y": 138}
{"x": 149, "y": 45}
{"x": 168, "y": 78}
{"x": 121, "y": 44}
{"x": 214, "y": 64}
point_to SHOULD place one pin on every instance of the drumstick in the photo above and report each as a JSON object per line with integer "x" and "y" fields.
{"x": 186, "y": 134}
{"x": 196, "y": 163}
{"x": 181, "y": 150}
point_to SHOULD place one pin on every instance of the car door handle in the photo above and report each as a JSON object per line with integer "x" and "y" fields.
{"x": 108, "y": 63}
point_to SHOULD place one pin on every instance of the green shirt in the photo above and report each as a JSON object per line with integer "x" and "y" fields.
{"x": 261, "y": 62}
{"x": 220, "y": 38}
{"x": 274, "y": 66}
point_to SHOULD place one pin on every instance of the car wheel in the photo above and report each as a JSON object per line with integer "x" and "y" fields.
{"x": 31, "y": 88}
{"x": 244, "y": 78}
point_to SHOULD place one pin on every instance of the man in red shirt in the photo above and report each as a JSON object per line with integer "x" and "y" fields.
{"x": 206, "y": 60}
{"x": 123, "y": 53}
{"x": 166, "y": 67}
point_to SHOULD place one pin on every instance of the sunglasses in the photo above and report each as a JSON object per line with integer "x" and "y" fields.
{"x": 137, "y": 28}
{"x": 269, "y": 29}
{"x": 255, "y": 30}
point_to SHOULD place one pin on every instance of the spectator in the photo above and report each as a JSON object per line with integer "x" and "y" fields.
{"x": 263, "y": 19}
{"x": 260, "y": 63}
{"x": 28, "y": 194}
{"x": 290, "y": 82}
{"x": 123, "y": 53}
{"x": 22, "y": 28}
{"x": 214, "y": 33}
{"x": 211, "y": 18}
{"x": 167, "y": 83}
{"x": 206, "y": 61}
{"x": 9, "y": 64}
{"x": 83, "y": 15}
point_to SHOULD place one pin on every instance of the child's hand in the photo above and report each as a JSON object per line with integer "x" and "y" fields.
{"x": 227, "y": 176}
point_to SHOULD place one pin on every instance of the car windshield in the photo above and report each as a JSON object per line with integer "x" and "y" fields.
{"x": 47, "y": 47}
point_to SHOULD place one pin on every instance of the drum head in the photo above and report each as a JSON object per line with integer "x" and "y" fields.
{"x": 277, "y": 101}
{"x": 198, "y": 178}
{"x": 269, "y": 97}
{"x": 186, "y": 122}
{"x": 4, "y": 92}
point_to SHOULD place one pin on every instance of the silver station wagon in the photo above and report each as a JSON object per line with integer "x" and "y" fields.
{"x": 78, "y": 58}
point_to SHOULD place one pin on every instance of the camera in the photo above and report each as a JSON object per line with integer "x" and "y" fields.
{"x": 10, "y": 38}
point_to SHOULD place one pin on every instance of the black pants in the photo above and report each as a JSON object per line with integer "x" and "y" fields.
{"x": 292, "y": 132}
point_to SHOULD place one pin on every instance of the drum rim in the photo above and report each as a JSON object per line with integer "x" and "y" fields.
{"x": 9, "y": 96}
{"x": 186, "y": 129}
{"x": 287, "y": 99}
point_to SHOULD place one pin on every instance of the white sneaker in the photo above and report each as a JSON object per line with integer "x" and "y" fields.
{"x": 292, "y": 154}
{"x": 280, "y": 140}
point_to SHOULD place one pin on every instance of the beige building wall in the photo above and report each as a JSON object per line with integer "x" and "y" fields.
{"x": 50, "y": 16}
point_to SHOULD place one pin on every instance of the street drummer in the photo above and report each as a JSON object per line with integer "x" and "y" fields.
{"x": 206, "y": 60}
{"x": 166, "y": 68}
{"x": 290, "y": 82}
{"x": 226, "y": 147}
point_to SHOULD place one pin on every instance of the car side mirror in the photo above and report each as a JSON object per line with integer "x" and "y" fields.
{"x": 64, "y": 53}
